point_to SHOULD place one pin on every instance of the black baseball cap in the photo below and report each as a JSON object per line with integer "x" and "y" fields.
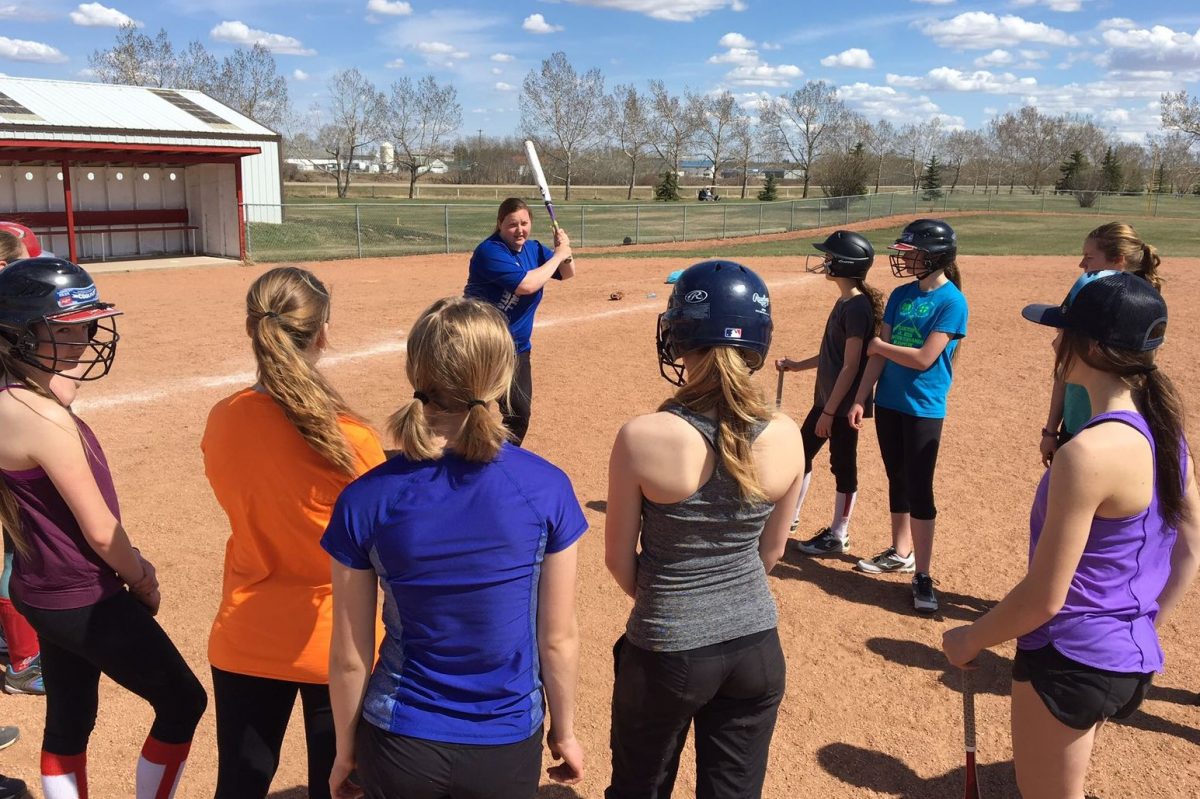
{"x": 1117, "y": 309}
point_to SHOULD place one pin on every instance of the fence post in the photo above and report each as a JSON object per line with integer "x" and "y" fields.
{"x": 358, "y": 227}
{"x": 1099, "y": 201}
{"x": 914, "y": 196}
{"x": 446, "y": 217}
{"x": 724, "y": 220}
{"x": 945, "y": 202}
{"x": 819, "y": 204}
{"x": 792, "y": 217}
{"x": 989, "y": 205}
{"x": 582, "y": 225}
{"x": 847, "y": 211}
{"x": 684, "y": 223}
{"x": 249, "y": 248}
{"x": 891, "y": 201}
{"x": 1043, "y": 201}
{"x": 760, "y": 209}
{"x": 869, "y": 200}
{"x": 1155, "y": 204}
{"x": 637, "y": 224}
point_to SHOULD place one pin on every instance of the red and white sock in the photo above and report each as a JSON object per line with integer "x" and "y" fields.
{"x": 22, "y": 640}
{"x": 64, "y": 776}
{"x": 800, "y": 499}
{"x": 159, "y": 768}
{"x": 843, "y": 506}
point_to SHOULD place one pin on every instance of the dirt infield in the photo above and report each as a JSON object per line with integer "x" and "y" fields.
{"x": 871, "y": 709}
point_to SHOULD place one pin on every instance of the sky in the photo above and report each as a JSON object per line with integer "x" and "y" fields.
{"x": 901, "y": 60}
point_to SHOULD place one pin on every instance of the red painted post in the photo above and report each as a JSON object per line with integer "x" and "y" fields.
{"x": 69, "y": 205}
{"x": 241, "y": 212}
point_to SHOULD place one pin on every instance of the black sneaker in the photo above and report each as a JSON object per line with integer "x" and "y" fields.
{"x": 924, "y": 599}
{"x": 11, "y": 788}
{"x": 824, "y": 543}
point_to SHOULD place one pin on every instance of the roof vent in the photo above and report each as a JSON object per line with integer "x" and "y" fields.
{"x": 12, "y": 111}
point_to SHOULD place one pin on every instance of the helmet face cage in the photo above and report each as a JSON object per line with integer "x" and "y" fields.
{"x": 929, "y": 263}
{"x": 818, "y": 263}
{"x": 666, "y": 354}
{"x": 99, "y": 348}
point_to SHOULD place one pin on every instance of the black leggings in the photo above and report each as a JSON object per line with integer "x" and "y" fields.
{"x": 252, "y": 717}
{"x": 730, "y": 691}
{"x": 843, "y": 449}
{"x": 119, "y": 638}
{"x": 519, "y": 407}
{"x": 909, "y": 446}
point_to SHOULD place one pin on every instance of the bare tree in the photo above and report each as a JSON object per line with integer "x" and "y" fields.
{"x": 919, "y": 143}
{"x": 136, "y": 59}
{"x": 1181, "y": 111}
{"x": 250, "y": 83}
{"x": 716, "y": 117}
{"x": 957, "y": 150}
{"x": 356, "y": 111}
{"x": 879, "y": 138}
{"x": 629, "y": 123}
{"x": 1033, "y": 144}
{"x": 744, "y": 142}
{"x": 800, "y": 123}
{"x": 560, "y": 106}
{"x": 673, "y": 127}
{"x": 420, "y": 118}
{"x": 1175, "y": 167}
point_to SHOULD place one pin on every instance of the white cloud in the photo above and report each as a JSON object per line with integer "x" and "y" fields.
{"x": 536, "y": 23}
{"x": 299, "y": 74}
{"x": 505, "y": 87}
{"x": 749, "y": 69}
{"x": 237, "y": 32}
{"x": 947, "y": 79}
{"x": 1053, "y": 5}
{"x": 94, "y": 15}
{"x": 669, "y": 10}
{"x": 1156, "y": 48}
{"x": 735, "y": 40}
{"x": 389, "y": 8}
{"x": 25, "y": 50}
{"x": 502, "y": 58}
{"x": 979, "y": 30}
{"x": 854, "y": 58}
{"x": 395, "y": 63}
{"x": 771, "y": 46}
{"x": 1117, "y": 23}
{"x": 898, "y": 107}
{"x": 996, "y": 58}
{"x": 441, "y": 50}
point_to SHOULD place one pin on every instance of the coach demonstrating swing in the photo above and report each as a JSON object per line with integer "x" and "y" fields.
{"x": 509, "y": 270}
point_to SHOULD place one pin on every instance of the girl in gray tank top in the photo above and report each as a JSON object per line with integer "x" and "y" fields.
{"x": 705, "y": 486}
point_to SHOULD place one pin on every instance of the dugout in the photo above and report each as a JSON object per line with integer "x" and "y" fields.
{"x": 102, "y": 171}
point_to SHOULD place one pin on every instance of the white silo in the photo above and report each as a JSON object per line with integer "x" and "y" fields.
{"x": 387, "y": 156}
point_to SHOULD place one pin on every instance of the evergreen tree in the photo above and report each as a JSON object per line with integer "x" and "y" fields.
{"x": 1072, "y": 172}
{"x": 1112, "y": 175}
{"x": 667, "y": 188}
{"x": 931, "y": 179}
{"x": 769, "y": 190}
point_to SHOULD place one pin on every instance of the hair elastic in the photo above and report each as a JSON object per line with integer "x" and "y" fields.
{"x": 271, "y": 314}
{"x": 422, "y": 396}
{"x": 471, "y": 403}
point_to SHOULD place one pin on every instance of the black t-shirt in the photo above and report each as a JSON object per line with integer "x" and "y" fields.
{"x": 852, "y": 318}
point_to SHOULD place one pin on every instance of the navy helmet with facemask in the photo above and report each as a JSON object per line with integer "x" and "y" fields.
{"x": 932, "y": 237}
{"x": 39, "y": 296}
{"x": 714, "y": 304}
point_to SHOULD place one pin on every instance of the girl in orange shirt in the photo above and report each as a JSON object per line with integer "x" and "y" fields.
{"x": 277, "y": 455}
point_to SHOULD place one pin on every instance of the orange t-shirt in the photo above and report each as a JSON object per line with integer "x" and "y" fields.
{"x": 276, "y": 613}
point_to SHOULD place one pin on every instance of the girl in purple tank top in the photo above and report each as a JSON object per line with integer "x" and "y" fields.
{"x": 89, "y": 594}
{"x": 1114, "y": 539}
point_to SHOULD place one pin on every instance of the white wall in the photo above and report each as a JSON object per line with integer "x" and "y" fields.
{"x": 212, "y": 199}
{"x": 261, "y": 184}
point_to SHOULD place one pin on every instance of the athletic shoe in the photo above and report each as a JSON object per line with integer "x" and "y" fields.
{"x": 795, "y": 524}
{"x": 888, "y": 561}
{"x": 11, "y": 788}
{"x": 924, "y": 599}
{"x": 25, "y": 680}
{"x": 824, "y": 543}
{"x": 8, "y": 736}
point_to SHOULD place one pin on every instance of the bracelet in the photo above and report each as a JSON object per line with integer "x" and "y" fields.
{"x": 1048, "y": 433}
{"x": 827, "y": 413}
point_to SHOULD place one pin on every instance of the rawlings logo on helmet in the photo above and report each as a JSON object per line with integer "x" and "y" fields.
{"x": 761, "y": 299}
{"x": 699, "y": 295}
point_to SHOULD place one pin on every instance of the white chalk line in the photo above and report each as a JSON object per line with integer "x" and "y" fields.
{"x": 188, "y": 385}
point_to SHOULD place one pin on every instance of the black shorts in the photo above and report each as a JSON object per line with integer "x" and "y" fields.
{"x": 1079, "y": 696}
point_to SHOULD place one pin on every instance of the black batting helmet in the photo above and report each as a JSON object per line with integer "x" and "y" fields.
{"x": 848, "y": 254}
{"x": 714, "y": 304}
{"x": 933, "y": 237}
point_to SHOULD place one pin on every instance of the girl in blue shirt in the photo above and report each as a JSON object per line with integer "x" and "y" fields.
{"x": 913, "y": 362}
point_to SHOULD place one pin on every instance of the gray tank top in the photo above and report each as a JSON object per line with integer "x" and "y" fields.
{"x": 700, "y": 580}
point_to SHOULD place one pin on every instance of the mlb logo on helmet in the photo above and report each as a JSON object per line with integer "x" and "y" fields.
{"x": 733, "y": 332}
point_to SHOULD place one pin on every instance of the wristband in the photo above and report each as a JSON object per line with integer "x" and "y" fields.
{"x": 1048, "y": 433}
{"x": 827, "y": 413}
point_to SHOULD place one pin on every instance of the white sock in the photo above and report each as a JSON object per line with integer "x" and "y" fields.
{"x": 803, "y": 493}
{"x": 64, "y": 776}
{"x": 843, "y": 506}
{"x": 159, "y": 769}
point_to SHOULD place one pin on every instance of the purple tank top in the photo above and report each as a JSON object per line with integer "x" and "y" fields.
{"x": 62, "y": 571}
{"x": 1107, "y": 621}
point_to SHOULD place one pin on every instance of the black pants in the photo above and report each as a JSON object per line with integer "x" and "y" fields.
{"x": 730, "y": 690}
{"x": 119, "y": 638}
{"x": 909, "y": 446}
{"x": 519, "y": 407}
{"x": 843, "y": 449}
{"x": 252, "y": 717}
{"x": 391, "y": 766}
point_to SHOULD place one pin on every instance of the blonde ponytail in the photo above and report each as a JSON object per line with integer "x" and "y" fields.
{"x": 721, "y": 381}
{"x": 287, "y": 309}
{"x": 460, "y": 361}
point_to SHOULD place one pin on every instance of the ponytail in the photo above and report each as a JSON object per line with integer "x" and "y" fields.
{"x": 460, "y": 360}
{"x": 1119, "y": 242}
{"x": 721, "y": 381}
{"x": 1149, "y": 266}
{"x": 953, "y": 275}
{"x": 287, "y": 309}
{"x": 876, "y": 297}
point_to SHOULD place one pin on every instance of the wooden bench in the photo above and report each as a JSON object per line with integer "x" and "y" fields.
{"x": 107, "y": 223}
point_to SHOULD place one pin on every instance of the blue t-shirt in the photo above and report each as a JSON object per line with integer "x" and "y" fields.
{"x": 496, "y": 271}
{"x": 458, "y": 547}
{"x": 913, "y": 314}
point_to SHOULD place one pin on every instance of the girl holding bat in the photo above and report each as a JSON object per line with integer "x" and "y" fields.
{"x": 277, "y": 455}
{"x": 87, "y": 591}
{"x": 705, "y": 489}
{"x": 509, "y": 271}
{"x": 1114, "y": 539}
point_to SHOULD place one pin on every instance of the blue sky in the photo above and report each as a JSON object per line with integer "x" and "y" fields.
{"x": 904, "y": 60}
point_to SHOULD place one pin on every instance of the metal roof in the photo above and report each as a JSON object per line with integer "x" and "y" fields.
{"x": 87, "y": 107}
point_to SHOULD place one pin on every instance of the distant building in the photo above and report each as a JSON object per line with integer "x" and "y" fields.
{"x": 104, "y": 171}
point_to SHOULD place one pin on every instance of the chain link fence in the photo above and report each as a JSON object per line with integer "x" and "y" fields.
{"x": 311, "y": 231}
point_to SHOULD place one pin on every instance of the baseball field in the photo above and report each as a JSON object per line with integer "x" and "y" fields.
{"x": 872, "y": 709}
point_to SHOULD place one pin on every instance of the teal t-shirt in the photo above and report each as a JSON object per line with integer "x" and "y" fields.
{"x": 914, "y": 314}
{"x": 1077, "y": 408}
